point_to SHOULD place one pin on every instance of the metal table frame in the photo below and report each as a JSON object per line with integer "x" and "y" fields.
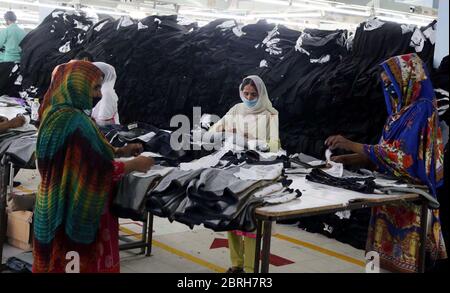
{"x": 6, "y": 179}
{"x": 145, "y": 244}
{"x": 264, "y": 229}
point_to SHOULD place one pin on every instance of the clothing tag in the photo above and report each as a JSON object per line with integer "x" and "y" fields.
{"x": 328, "y": 154}
{"x": 337, "y": 169}
{"x": 132, "y": 126}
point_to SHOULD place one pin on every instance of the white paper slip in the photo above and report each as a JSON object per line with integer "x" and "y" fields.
{"x": 155, "y": 170}
{"x": 147, "y": 137}
{"x": 151, "y": 154}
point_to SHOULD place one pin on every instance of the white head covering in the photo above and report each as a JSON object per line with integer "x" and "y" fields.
{"x": 263, "y": 97}
{"x": 106, "y": 109}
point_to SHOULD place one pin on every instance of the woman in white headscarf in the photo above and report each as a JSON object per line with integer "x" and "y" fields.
{"x": 254, "y": 118}
{"x": 106, "y": 112}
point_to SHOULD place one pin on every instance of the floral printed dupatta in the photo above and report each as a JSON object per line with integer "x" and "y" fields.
{"x": 410, "y": 148}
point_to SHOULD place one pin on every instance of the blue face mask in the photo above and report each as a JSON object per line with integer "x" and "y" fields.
{"x": 249, "y": 103}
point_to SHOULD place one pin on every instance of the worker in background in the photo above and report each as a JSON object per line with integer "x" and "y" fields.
{"x": 243, "y": 119}
{"x": 106, "y": 111}
{"x": 10, "y": 38}
{"x": 84, "y": 56}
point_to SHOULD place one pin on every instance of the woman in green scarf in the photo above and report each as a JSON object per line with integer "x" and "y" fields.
{"x": 74, "y": 229}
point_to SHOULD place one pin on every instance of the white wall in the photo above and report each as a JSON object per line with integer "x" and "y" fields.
{"x": 441, "y": 48}
{"x": 44, "y": 12}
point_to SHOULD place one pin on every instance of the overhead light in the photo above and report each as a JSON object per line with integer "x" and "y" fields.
{"x": 286, "y": 15}
{"x": 38, "y": 4}
{"x": 405, "y": 14}
{"x": 322, "y": 6}
{"x": 403, "y": 20}
{"x": 347, "y": 10}
{"x": 108, "y": 12}
{"x": 293, "y": 23}
{"x": 211, "y": 14}
{"x": 275, "y": 2}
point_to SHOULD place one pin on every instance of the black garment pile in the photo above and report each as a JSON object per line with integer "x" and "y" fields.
{"x": 441, "y": 83}
{"x": 153, "y": 140}
{"x": 56, "y": 40}
{"x": 214, "y": 197}
{"x": 172, "y": 67}
{"x": 363, "y": 185}
{"x": 322, "y": 82}
{"x": 10, "y": 79}
{"x": 336, "y": 89}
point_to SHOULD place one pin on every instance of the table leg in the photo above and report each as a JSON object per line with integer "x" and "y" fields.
{"x": 11, "y": 177}
{"x": 423, "y": 235}
{"x": 144, "y": 235}
{"x": 258, "y": 245}
{"x": 266, "y": 246}
{"x": 2, "y": 209}
{"x": 149, "y": 233}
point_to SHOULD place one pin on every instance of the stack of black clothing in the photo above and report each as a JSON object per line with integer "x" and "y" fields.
{"x": 56, "y": 40}
{"x": 10, "y": 79}
{"x": 322, "y": 82}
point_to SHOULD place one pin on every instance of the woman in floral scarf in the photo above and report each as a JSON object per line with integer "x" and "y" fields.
{"x": 410, "y": 148}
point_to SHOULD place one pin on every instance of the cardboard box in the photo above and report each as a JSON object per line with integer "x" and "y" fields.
{"x": 20, "y": 229}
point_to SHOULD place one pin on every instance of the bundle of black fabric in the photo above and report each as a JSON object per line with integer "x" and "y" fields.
{"x": 216, "y": 198}
{"x": 152, "y": 139}
{"x": 166, "y": 68}
{"x": 213, "y": 197}
{"x": 312, "y": 104}
{"x": 298, "y": 89}
{"x": 170, "y": 68}
{"x": 364, "y": 185}
{"x": 10, "y": 79}
{"x": 186, "y": 67}
{"x": 441, "y": 84}
{"x": 56, "y": 40}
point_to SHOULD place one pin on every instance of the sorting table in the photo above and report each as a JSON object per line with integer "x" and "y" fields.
{"x": 265, "y": 217}
{"x": 316, "y": 199}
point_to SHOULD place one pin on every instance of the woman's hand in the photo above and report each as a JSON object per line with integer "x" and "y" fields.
{"x": 340, "y": 142}
{"x": 354, "y": 160}
{"x": 3, "y": 119}
{"x": 340, "y": 159}
{"x": 139, "y": 164}
{"x": 17, "y": 121}
{"x": 130, "y": 150}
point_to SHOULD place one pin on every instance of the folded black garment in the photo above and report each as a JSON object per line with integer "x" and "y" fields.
{"x": 165, "y": 198}
{"x": 131, "y": 196}
{"x": 364, "y": 185}
{"x": 167, "y": 204}
{"x": 7, "y": 77}
{"x": 244, "y": 221}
